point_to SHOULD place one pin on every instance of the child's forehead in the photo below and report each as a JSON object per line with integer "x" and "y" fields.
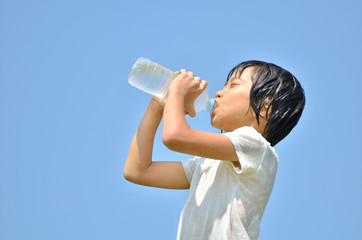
{"x": 236, "y": 74}
{"x": 242, "y": 73}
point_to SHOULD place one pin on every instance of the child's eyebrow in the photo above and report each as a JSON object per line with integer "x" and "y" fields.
{"x": 232, "y": 79}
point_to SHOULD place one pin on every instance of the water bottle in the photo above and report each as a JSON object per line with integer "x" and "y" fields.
{"x": 155, "y": 80}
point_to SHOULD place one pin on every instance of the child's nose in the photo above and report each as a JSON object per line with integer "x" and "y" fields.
{"x": 218, "y": 94}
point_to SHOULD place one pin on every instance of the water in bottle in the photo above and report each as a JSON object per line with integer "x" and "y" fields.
{"x": 155, "y": 80}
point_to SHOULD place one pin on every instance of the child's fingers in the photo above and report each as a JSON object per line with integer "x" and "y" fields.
{"x": 184, "y": 71}
{"x": 179, "y": 72}
{"x": 192, "y": 112}
{"x": 203, "y": 84}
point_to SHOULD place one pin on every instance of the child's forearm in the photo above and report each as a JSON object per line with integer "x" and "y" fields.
{"x": 174, "y": 122}
{"x": 140, "y": 152}
{"x": 182, "y": 93}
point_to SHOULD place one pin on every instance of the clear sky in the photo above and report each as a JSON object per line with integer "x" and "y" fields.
{"x": 68, "y": 113}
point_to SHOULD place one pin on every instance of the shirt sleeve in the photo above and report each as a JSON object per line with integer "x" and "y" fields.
{"x": 189, "y": 167}
{"x": 250, "y": 148}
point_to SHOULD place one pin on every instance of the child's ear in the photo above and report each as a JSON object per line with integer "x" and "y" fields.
{"x": 264, "y": 110}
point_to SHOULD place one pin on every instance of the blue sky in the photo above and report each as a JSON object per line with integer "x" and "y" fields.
{"x": 68, "y": 113}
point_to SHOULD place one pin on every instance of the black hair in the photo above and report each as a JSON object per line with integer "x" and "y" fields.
{"x": 281, "y": 91}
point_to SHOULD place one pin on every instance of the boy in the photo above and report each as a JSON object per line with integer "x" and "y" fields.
{"x": 232, "y": 175}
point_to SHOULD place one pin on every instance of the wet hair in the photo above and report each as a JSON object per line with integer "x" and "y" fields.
{"x": 281, "y": 91}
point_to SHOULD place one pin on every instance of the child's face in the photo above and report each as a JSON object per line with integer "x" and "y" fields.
{"x": 232, "y": 108}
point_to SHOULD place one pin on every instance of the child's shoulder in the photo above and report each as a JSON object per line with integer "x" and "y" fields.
{"x": 248, "y": 139}
{"x": 247, "y": 130}
{"x": 247, "y": 134}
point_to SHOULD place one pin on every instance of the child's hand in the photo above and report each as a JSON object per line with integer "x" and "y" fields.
{"x": 189, "y": 87}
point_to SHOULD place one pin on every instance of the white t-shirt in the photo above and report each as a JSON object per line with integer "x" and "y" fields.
{"x": 226, "y": 202}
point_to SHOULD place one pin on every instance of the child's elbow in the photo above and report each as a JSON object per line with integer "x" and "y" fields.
{"x": 167, "y": 140}
{"x": 172, "y": 140}
{"x": 130, "y": 176}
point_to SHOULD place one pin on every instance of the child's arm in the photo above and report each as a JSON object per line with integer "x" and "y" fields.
{"x": 177, "y": 134}
{"x": 139, "y": 167}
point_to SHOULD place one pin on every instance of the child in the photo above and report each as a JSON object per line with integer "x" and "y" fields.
{"x": 232, "y": 175}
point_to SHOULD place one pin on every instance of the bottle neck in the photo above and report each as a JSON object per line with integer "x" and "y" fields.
{"x": 210, "y": 105}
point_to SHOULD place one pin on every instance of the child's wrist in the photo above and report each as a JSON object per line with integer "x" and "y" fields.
{"x": 176, "y": 93}
{"x": 157, "y": 104}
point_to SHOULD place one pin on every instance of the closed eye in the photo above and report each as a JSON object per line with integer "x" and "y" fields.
{"x": 233, "y": 82}
{"x": 233, "y": 85}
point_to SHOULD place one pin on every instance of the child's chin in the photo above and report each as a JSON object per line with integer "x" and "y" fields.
{"x": 214, "y": 124}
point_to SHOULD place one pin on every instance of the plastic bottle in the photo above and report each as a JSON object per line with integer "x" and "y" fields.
{"x": 155, "y": 80}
